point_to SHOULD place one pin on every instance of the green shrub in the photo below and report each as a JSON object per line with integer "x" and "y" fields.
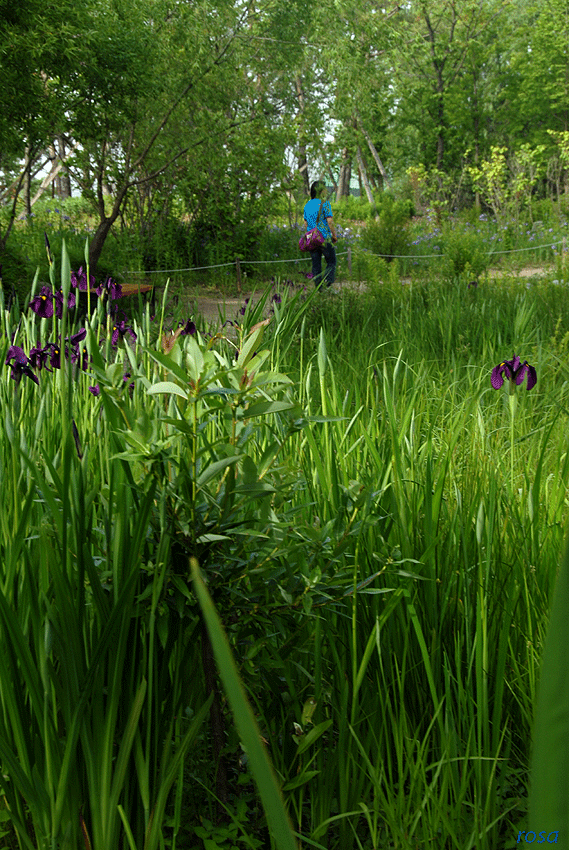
{"x": 354, "y": 208}
{"x": 465, "y": 252}
{"x": 13, "y": 273}
{"x": 388, "y": 234}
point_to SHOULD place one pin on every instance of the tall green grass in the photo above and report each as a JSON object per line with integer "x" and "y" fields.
{"x": 379, "y": 550}
{"x": 412, "y": 468}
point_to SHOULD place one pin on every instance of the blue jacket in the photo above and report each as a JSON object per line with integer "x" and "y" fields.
{"x": 311, "y": 214}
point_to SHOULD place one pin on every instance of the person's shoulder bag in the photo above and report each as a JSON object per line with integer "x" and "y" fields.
{"x": 313, "y": 239}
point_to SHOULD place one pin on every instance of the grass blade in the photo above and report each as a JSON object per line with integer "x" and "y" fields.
{"x": 549, "y": 798}
{"x": 277, "y": 818}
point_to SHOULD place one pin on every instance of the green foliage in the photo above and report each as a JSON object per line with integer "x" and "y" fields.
{"x": 388, "y": 235}
{"x": 169, "y": 244}
{"x": 43, "y": 45}
{"x": 379, "y": 543}
{"x": 202, "y": 106}
{"x": 466, "y": 345}
{"x": 507, "y": 180}
{"x": 355, "y": 209}
{"x": 14, "y": 274}
{"x": 540, "y": 100}
{"x": 431, "y": 189}
{"x": 220, "y": 836}
{"x": 465, "y": 253}
{"x": 24, "y": 256}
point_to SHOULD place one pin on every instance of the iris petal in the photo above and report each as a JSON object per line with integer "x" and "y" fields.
{"x": 520, "y": 373}
{"x": 532, "y": 377}
{"x": 496, "y": 378}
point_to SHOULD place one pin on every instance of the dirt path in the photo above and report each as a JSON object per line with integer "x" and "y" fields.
{"x": 221, "y": 307}
{"x": 217, "y": 307}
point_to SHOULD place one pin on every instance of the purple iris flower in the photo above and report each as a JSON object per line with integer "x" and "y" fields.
{"x": 120, "y": 330}
{"x": 54, "y": 355}
{"x": 515, "y": 372}
{"x": 74, "y": 352}
{"x": 111, "y": 287}
{"x": 79, "y": 280}
{"x": 189, "y": 328}
{"x": 42, "y": 304}
{"x": 96, "y": 390}
{"x": 39, "y": 358}
{"x": 75, "y": 339}
{"x": 21, "y": 364}
{"x": 58, "y": 298}
{"x": 84, "y": 359}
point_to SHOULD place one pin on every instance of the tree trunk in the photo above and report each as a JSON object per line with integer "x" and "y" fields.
{"x": 345, "y": 175}
{"x": 49, "y": 178}
{"x": 302, "y": 160}
{"x": 375, "y": 155}
{"x": 63, "y": 180}
{"x": 303, "y": 169}
{"x": 28, "y": 183}
{"x": 441, "y": 132}
{"x": 105, "y": 221}
{"x": 332, "y": 178}
{"x": 98, "y": 241}
{"x": 363, "y": 172}
{"x": 438, "y": 63}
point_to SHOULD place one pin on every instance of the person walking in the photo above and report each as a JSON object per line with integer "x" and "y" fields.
{"x": 318, "y": 213}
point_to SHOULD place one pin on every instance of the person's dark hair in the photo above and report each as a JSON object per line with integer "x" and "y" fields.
{"x": 315, "y": 188}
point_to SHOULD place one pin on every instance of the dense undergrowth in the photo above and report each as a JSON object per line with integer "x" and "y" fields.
{"x": 381, "y": 241}
{"x": 379, "y": 530}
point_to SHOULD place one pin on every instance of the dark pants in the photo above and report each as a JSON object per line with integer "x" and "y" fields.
{"x": 329, "y": 275}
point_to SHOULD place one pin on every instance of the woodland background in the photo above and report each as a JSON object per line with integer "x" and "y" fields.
{"x": 203, "y": 120}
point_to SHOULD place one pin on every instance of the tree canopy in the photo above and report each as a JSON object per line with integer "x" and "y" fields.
{"x": 219, "y": 103}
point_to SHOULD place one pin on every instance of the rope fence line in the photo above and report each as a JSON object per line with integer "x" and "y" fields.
{"x": 237, "y": 262}
{"x": 224, "y": 265}
{"x": 530, "y": 248}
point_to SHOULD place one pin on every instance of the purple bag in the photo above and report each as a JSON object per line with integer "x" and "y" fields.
{"x": 313, "y": 240}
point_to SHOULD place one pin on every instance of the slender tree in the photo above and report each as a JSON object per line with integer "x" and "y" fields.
{"x": 540, "y": 71}
{"x": 356, "y": 58}
{"x": 42, "y": 45}
{"x": 168, "y": 87}
{"x": 436, "y": 62}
